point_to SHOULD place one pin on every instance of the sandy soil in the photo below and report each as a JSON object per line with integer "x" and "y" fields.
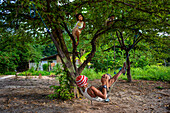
{"x": 30, "y": 96}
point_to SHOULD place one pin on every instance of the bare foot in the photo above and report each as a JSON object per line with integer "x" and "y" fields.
{"x": 124, "y": 68}
{"x": 77, "y": 43}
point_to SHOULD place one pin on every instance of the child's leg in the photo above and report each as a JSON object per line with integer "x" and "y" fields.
{"x": 115, "y": 77}
{"x": 74, "y": 33}
{"x": 77, "y": 34}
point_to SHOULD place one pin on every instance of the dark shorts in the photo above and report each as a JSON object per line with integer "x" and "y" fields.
{"x": 101, "y": 87}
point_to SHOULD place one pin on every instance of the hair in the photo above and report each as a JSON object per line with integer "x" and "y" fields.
{"x": 111, "y": 16}
{"x": 77, "y": 15}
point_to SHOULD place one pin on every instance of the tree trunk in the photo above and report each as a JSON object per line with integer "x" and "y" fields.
{"x": 128, "y": 67}
{"x": 68, "y": 67}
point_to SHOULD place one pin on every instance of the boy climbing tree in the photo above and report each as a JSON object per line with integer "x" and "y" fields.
{"x": 109, "y": 21}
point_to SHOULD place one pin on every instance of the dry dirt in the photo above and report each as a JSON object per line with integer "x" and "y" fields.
{"x": 29, "y": 96}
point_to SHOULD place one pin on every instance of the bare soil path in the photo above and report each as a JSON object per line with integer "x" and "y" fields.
{"x": 8, "y": 76}
{"x": 29, "y": 96}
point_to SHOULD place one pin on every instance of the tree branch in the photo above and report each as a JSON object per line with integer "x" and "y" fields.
{"x": 121, "y": 35}
{"x": 119, "y": 39}
{"x": 112, "y": 47}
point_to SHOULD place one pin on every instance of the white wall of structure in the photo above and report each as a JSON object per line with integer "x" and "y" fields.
{"x": 41, "y": 63}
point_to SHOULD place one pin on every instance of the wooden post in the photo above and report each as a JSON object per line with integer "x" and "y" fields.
{"x": 40, "y": 76}
{"x": 26, "y": 76}
{"x": 16, "y": 76}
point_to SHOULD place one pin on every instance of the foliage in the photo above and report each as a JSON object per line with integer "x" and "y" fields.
{"x": 91, "y": 74}
{"x": 45, "y": 67}
{"x": 105, "y": 60}
{"x": 160, "y": 49}
{"x": 35, "y": 73}
{"x": 141, "y": 56}
{"x": 49, "y": 50}
{"x": 153, "y": 72}
{"x": 31, "y": 70}
{"x": 8, "y": 62}
{"x": 57, "y": 69}
{"x": 62, "y": 91}
{"x": 159, "y": 87}
{"x": 16, "y": 51}
{"x": 8, "y": 73}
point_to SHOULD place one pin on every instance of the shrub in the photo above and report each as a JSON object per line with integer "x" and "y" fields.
{"x": 91, "y": 74}
{"x": 9, "y": 73}
{"x": 62, "y": 91}
{"x": 43, "y": 73}
{"x": 45, "y": 67}
{"x": 57, "y": 69}
{"x": 157, "y": 73}
{"x": 31, "y": 70}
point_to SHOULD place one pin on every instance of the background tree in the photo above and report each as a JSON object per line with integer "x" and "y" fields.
{"x": 49, "y": 49}
{"x": 17, "y": 50}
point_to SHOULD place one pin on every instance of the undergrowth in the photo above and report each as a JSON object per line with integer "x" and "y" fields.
{"x": 35, "y": 73}
{"x": 155, "y": 73}
{"x": 63, "y": 90}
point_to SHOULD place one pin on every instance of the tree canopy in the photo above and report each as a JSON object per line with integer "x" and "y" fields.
{"x": 147, "y": 18}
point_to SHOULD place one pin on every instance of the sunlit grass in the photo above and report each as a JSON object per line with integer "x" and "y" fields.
{"x": 156, "y": 73}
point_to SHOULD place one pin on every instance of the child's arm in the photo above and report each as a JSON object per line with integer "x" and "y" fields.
{"x": 98, "y": 93}
{"x": 76, "y": 26}
{"x": 83, "y": 26}
{"x": 107, "y": 20}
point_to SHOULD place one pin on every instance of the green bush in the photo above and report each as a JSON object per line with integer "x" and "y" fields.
{"x": 8, "y": 73}
{"x": 7, "y": 62}
{"x": 91, "y": 74}
{"x": 31, "y": 70}
{"x": 57, "y": 69}
{"x": 62, "y": 91}
{"x": 45, "y": 67}
{"x": 157, "y": 73}
{"x": 43, "y": 73}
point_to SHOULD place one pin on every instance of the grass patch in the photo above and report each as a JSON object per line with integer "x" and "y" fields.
{"x": 155, "y": 73}
{"x": 8, "y": 73}
{"x": 91, "y": 74}
{"x": 159, "y": 87}
{"x": 36, "y": 73}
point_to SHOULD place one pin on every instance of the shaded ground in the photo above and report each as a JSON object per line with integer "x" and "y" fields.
{"x": 29, "y": 96}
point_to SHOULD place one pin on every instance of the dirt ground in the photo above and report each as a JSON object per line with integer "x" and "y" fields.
{"x": 30, "y": 96}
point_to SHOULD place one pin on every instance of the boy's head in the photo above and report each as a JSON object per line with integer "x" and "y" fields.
{"x": 112, "y": 17}
{"x": 79, "y": 16}
{"x": 81, "y": 81}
